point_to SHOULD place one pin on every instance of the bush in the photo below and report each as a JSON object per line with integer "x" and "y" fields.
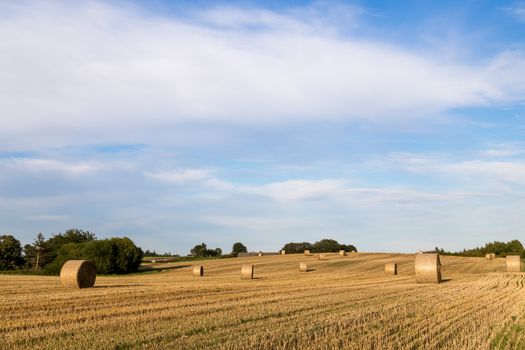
{"x": 111, "y": 256}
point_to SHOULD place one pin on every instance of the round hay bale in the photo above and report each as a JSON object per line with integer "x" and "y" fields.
{"x": 260, "y": 254}
{"x": 307, "y": 252}
{"x": 198, "y": 271}
{"x": 303, "y": 267}
{"x": 283, "y": 252}
{"x": 391, "y": 268}
{"x": 320, "y": 256}
{"x": 342, "y": 252}
{"x": 428, "y": 268}
{"x": 513, "y": 263}
{"x": 78, "y": 274}
{"x": 247, "y": 272}
{"x": 490, "y": 256}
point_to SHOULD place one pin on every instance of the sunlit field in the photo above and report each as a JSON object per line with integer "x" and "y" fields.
{"x": 342, "y": 302}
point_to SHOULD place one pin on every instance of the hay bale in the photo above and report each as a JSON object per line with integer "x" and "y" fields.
{"x": 303, "y": 267}
{"x": 490, "y": 256}
{"x": 307, "y": 252}
{"x": 428, "y": 268}
{"x": 78, "y": 274}
{"x": 198, "y": 271}
{"x": 342, "y": 252}
{"x": 247, "y": 272}
{"x": 320, "y": 256}
{"x": 260, "y": 254}
{"x": 391, "y": 268}
{"x": 283, "y": 252}
{"x": 513, "y": 263}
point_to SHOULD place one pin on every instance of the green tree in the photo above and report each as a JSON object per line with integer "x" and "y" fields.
{"x": 326, "y": 246}
{"x": 199, "y": 250}
{"x": 293, "y": 248}
{"x": 10, "y": 253}
{"x": 37, "y": 254}
{"x": 238, "y": 247}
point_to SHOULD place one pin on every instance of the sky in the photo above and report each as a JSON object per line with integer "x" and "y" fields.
{"x": 393, "y": 126}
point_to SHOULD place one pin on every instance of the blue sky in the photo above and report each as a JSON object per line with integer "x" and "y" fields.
{"x": 393, "y": 126}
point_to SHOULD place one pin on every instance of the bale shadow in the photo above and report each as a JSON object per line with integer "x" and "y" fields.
{"x": 145, "y": 269}
{"x": 445, "y": 280}
{"x": 119, "y": 286}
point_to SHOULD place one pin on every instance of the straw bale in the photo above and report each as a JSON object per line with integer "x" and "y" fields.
{"x": 247, "y": 272}
{"x": 303, "y": 267}
{"x": 513, "y": 263}
{"x": 391, "y": 268}
{"x": 260, "y": 254}
{"x": 428, "y": 268}
{"x": 283, "y": 252}
{"x": 78, "y": 274}
{"x": 198, "y": 271}
{"x": 342, "y": 252}
{"x": 320, "y": 256}
{"x": 307, "y": 252}
{"x": 490, "y": 256}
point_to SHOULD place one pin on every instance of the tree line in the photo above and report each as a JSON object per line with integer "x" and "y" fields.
{"x": 323, "y": 246}
{"x": 201, "y": 250}
{"x": 111, "y": 256}
{"x": 502, "y": 249}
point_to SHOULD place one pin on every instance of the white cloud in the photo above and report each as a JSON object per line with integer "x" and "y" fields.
{"x": 513, "y": 172}
{"x": 47, "y": 217}
{"x": 517, "y": 11}
{"x": 504, "y": 150}
{"x": 111, "y": 71}
{"x": 506, "y": 171}
{"x": 179, "y": 176}
{"x": 297, "y": 189}
{"x": 51, "y": 165}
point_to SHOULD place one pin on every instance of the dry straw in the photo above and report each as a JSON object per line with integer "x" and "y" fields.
{"x": 283, "y": 252}
{"x": 320, "y": 256}
{"x": 78, "y": 274}
{"x": 307, "y": 252}
{"x": 247, "y": 272}
{"x": 198, "y": 271}
{"x": 342, "y": 252}
{"x": 391, "y": 268}
{"x": 428, "y": 268}
{"x": 490, "y": 256}
{"x": 303, "y": 267}
{"x": 513, "y": 263}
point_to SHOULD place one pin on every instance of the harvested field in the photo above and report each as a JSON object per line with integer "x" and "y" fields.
{"x": 351, "y": 305}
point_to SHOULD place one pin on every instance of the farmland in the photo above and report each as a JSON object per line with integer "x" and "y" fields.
{"x": 342, "y": 302}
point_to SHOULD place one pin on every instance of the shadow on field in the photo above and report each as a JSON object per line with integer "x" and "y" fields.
{"x": 145, "y": 269}
{"x": 119, "y": 286}
{"x": 445, "y": 280}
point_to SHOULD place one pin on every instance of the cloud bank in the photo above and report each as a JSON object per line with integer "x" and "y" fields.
{"x": 99, "y": 71}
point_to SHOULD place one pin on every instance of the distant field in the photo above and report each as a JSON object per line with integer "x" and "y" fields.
{"x": 344, "y": 303}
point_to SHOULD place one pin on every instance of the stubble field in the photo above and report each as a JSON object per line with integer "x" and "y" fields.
{"x": 343, "y": 302}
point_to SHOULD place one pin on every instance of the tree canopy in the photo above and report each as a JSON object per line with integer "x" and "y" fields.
{"x": 238, "y": 247}
{"x": 322, "y": 246}
{"x": 502, "y": 249}
{"x": 10, "y": 253}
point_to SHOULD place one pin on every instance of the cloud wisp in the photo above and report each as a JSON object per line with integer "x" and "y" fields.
{"x": 111, "y": 70}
